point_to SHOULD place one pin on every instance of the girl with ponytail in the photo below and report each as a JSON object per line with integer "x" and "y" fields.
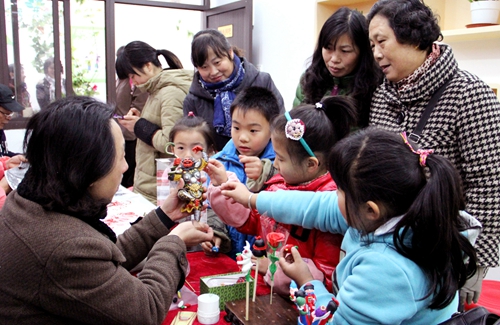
{"x": 167, "y": 88}
{"x": 408, "y": 243}
{"x": 302, "y": 139}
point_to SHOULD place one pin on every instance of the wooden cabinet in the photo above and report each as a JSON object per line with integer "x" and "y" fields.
{"x": 453, "y": 15}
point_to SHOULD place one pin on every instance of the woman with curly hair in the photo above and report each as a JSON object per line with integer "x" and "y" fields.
{"x": 464, "y": 125}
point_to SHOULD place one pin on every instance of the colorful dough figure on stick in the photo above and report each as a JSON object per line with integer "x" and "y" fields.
{"x": 274, "y": 240}
{"x": 244, "y": 261}
{"x": 259, "y": 251}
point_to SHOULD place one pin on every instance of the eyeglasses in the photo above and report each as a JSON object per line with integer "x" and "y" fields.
{"x": 7, "y": 114}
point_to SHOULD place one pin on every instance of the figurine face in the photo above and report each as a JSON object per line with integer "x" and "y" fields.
{"x": 187, "y": 162}
{"x": 250, "y": 132}
{"x": 292, "y": 172}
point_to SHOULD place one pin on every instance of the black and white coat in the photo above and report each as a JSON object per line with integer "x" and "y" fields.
{"x": 464, "y": 127}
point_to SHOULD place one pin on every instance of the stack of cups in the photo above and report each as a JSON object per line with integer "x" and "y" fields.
{"x": 208, "y": 308}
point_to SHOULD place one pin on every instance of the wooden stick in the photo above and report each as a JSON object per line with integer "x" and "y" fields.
{"x": 189, "y": 285}
{"x": 248, "y": 299}
{"x": 255, "y": 279}
{"x": 271, "y": 299}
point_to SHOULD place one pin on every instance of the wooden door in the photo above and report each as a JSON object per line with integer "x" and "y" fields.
{"x": 234, "y": 20}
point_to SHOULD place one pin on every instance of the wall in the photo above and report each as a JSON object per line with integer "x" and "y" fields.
{"x": 481, "y": 58}
{"x": 284, "y": 36}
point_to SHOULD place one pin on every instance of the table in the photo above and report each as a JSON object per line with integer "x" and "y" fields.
{"x": 127, "y": 206}
{"x": 202, "y": 265}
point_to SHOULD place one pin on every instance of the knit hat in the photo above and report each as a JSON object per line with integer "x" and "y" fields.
{"x": 8, "y": 101}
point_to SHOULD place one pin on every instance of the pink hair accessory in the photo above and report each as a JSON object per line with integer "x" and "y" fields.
{"x": 191, "y": 114}
{"x": 295, "y": 129}
{"x": 423, "y": 153}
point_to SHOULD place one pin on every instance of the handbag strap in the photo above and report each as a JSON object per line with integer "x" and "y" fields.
{"x": 415, "y": 135}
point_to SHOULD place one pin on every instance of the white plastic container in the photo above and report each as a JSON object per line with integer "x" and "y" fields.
{"x": 208, "y": 308}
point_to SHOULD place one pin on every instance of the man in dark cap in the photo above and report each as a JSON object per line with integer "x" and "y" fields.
{"x": 8, "y": 159}
{"x": 8, "y": 106}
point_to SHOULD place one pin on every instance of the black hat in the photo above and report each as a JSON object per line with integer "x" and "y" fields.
{"x": 8, "y": 101}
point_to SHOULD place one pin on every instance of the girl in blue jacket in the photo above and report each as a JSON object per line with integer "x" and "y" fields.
{"x": 399, "y": 210}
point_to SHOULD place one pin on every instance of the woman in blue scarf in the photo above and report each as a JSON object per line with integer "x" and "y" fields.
{"x": 221, "y": 74}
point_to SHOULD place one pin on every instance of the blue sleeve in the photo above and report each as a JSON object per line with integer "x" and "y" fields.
{"x": 311, "y": 210}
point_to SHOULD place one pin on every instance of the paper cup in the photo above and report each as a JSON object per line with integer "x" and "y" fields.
{"x": 208, "y": 308}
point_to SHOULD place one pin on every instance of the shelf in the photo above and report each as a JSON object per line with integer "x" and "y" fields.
{"x": 453, "y": 14}
{"x": 471, "y": 34}
{"x": 341, "y": 3}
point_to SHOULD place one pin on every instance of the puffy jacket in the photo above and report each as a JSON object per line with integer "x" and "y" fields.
{"x": 201, "y": 103}
{"x": 163, "y": 108}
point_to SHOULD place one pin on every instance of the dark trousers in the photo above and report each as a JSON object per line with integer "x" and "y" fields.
{"x": 128, "y": 176}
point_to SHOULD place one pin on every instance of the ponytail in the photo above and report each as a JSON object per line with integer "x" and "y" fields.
{"x": 424, "y": 188}
{"x": 136, "y": 54}
{"x": 437, "y": 245}
{"x": 320, "y": 133}
{"x": 172, "y": 60}
{"x": 341, "y": 111}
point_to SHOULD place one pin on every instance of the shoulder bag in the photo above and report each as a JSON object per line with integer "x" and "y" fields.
{"x": 475, "y": 316}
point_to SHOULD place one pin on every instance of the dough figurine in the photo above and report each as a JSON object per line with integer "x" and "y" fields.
{"x": 189, "y": 169}
{"x": 305, "y": 300}
{"x": 244, "y": 261}
{"x": 259, "y": 251}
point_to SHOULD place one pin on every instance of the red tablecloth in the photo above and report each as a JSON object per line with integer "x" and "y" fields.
{"x": 201, "y": 265}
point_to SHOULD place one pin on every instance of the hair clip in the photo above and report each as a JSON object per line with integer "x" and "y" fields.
{"x": 191, "y": 114}
{"x": 423, "y": 153}
{"x": 319, "y": 105}
{"x": 295, "y": 130}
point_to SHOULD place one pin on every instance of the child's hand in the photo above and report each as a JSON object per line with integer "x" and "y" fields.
{"x": 236, "y": 191}
{"x": 297, "y": 269}
{"x": 217, "y": 172}
{"x": 15, "y": 161}
{"x": 211, "y": 248}
{"x": 263, "y": 264}
{"x": 253, "y": 166}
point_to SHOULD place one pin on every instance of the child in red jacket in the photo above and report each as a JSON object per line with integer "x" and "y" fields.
{"x": 302, "y": 139}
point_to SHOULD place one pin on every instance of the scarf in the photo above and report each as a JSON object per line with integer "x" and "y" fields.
{"x": 415, "y": 75}
{"x": 224, "y": 97}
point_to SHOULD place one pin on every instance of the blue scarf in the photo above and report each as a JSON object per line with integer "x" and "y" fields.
{"x": 224, "y": 96}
